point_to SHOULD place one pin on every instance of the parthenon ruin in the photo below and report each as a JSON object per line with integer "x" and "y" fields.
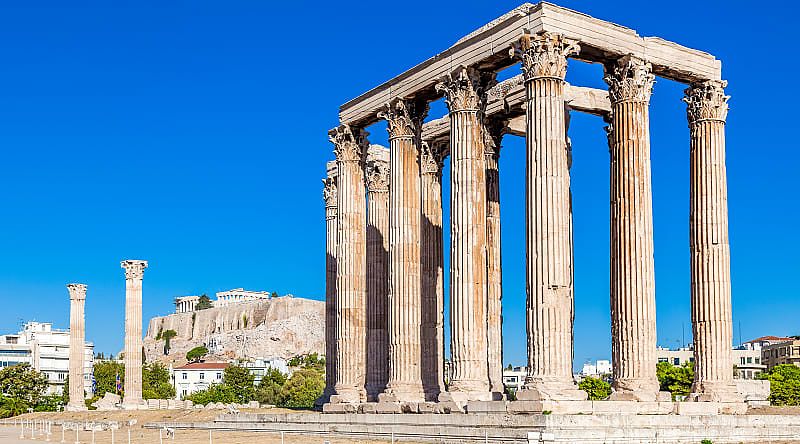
{"x": 385, "y": 292}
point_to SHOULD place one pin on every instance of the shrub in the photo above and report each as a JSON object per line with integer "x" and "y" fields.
{"x": 596, "y": 388}
{"x": 302, "y": 389}
{"x": 784, "y": 384}
{"x": 196, "y": 353}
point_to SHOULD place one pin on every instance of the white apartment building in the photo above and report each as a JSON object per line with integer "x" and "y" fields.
{"x": 514, "y": 378}
{"x": 260, "y": 366}
{"x": 598, "y": 368}
{"x": 746, "y": 359}
{"x": 47, "y": 351}
{"x": 238, "y": 295}
{"x": 196, "y": 376}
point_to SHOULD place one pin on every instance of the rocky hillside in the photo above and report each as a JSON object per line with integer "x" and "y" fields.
{"x": 281, "y": 327}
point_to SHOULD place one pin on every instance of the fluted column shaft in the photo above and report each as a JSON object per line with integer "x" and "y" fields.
{"x": 350, "y": 266}
{"x": 710, "y": 250}
{"x": 405, "y": 312}
{"x": 633, "y": 314}
{"x": 432, "y": 258}
{"x": 134, "y": 273}
{"x": 548, "y": 221}
{"x": 377, "y": 277}
{"x": 465, "y": 95}
{"x": 493, "y": 134}
{"x": 331, "y": 228}
{"x": 77, "y": 341}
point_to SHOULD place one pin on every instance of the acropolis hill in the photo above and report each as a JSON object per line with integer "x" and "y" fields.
{"x": 279, "y": 327}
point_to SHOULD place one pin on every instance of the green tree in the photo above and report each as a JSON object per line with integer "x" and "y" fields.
{"x": 155, "y": 382}
{"x": 302, "y": 389}
{"x": 196, "y": 353}
{"x": 21, "y": 382}
{"x": 784, "y": 384}
{"x": 167, "y": 336}
{"x": 269, "y": 389}
{"x": 214, "y": 393}
{"x": 675, "y": 379}
{"x": 312, "y": 361}
{"x": 204, "y": 303}
{"x": 241, "y": 383}
{"x": 595, "y": 387}
{"x": 105, "y": 375}
{"x": 49, "y": 403}
{"x": 12, "y": 406}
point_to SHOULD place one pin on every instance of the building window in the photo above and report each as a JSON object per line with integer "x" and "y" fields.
{"x": 202, "y": 376}
{"x": 742, "y": 359}
{"x": 185, "y": 375}
{"x": 676, "y": 361}
{"x": 749, "y": 360}
{"x": 758, "y": 361}
{"x": 219, "y": 375}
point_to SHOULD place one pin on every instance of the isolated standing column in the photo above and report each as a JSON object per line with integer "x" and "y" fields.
{"x": 331, "y": 230}
{"x": 633, "y": 300}
{"x": 134, "y": 272}
{"x": 77, "y": 348}
{"x": 708, "y": 234}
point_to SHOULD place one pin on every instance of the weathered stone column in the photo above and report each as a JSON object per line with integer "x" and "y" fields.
{"x": 134, "y": 272}
{"x": 633, "y": 311}
{"x": 432, "y": 257}
{"x": 77, "y": 341}
{"x": 465, "y": 93}
{"x": 711, "y": 279}
{"x": 351, "y": 332}
{"x": 548, "y": 220}
{"x": 404, "y": 120}
{"x": 377, "y": 271}
{"x": 329, "y": 195}
{"x": 493, "y": 135}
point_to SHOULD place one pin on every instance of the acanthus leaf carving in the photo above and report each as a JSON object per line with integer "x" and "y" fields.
{"x": 706, "y": 101}
{"x": 349, "y": 144}
{"x": 134, "y": 269}
{"x": 629, "y": 79}
{"x": 329, "y": 191}
{"x": 377, "y": 177}
{"x": 432, "y": 156}
{"x": 77, "y": 292}
{"x": 544, "y": 54}
{"x": 466, "y": 89}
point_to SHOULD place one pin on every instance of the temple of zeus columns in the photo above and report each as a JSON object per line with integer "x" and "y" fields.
{"x": 77, "y": 336}
{"x": 134, "y": 273}
{"x": 383, "y": 212}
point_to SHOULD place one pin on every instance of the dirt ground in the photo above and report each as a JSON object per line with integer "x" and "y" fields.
{"x": 139, "y": 435}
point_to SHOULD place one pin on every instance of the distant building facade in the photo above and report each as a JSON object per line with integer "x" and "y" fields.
{"x": 196, "y": 376}
{"x": 514, "y": 378}
{"x": 47, "y": 351}
{"x": 238, "y": 295}
{"x": 787, "y": 352}
{"x": 186, "y": 304}
{"x": 259, "y": 367}
{"x": 599, "y": 368}
{"x": 747, "y": 362}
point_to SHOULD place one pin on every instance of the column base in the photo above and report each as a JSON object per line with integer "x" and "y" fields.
{"x": 552, "y": 390}
{"x": 348, "y": 395}
{"x": 715, "y": 391}
{"x": 642, "y": 390}
{"x": 394, "y": 395}
{"x": 373, "y": 392}
{"x": 76, "y": 408}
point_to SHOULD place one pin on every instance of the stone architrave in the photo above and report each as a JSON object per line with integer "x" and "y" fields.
{"x": 493, "y": 131}
{"x": 712, "y": 325}
{"x": 329, "y": 195}
{"x": 134, "y": 273}
{"x": 77, "y": 341}
{"x": 432, "y": 266}
{"x": 633, "y": 311}
{"x": 404, "y": 123}
{"x": 377, "y": 271}
{"x": 351, "y": 354}
{"x": 465, "y": 94}
{"x": 548, "y": 220}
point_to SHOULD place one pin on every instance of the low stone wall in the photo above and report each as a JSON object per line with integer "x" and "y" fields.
{"x": 526, "y": 429}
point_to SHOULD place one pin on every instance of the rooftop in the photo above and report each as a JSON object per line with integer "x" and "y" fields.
{"x": 204, "y": 366}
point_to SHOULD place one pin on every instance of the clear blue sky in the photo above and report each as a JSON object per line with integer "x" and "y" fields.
{"x": 194, "y": 136}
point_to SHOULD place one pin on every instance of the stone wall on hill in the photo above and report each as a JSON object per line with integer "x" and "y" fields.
{"x": 280, "y": 327}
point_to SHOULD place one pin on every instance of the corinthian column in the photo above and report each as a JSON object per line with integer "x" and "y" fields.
{"x": 329, "y": 196}
{"x": 465, "y": 93}
{"x": 633, "y": 313}
{"x": 493, "y": 134}
{"x": 77, "y": 335}
{"x": 432, "y": 257}
{"x": 377, "y": 271}
{"x": 548, "y": 221}
{"x": 134, "y": 272}
{"x": 404, "y": 120}
{"x": 711, "y": 280}
{"x": 350, "y": 149}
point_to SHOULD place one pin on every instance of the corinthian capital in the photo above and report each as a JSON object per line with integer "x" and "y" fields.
{"x": 465, "y": 89}
{"x": 629, "y": 79}
{"x": 404, "y": 117}
{"x": 134, "y": 269}
{"x": 706, "y": 101}
{"x": 493, "y": 131}
{"x": 377, "y": 177}
{"x": 544, "y": 54}
{"x": 77, "y": 292}
{"x": 329, "y": 191}
{"x": 349, "y": 144}
{"x": 432, "y": 157}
